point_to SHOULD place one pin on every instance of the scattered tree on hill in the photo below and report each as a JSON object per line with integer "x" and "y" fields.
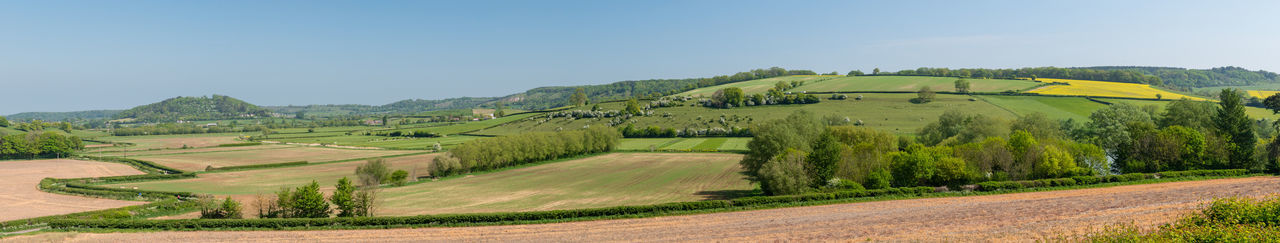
{"x": 962, "y": 85}
{"x": 579, "y": 97}
{"x": 373, "y": 172}
{"x": 210, "y": 208}
{"x": 633, "y": 107}
{"x": 4, "y": 122}
{"x": 925, "y": 95}
{"x": 498, "y": 110}
{"x": 855, "y": 73}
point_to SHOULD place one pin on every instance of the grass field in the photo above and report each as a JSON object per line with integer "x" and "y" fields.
{"x": 888, "y": 112}
{"x": 1059, "y": 108}
{"x": 1106, "y": 89}
{"x": 184, "y": 151}
{"x": 911, "y": 83}
{"x": 383, "y": 142}
{"x": 251, "y": 182}
{"x": 696, "y": 144}
{"x": 198, "y": 161}
{"x": 599, "y": 181}
{"x": 20, "y": 196}
{"x": 756, "y": 86}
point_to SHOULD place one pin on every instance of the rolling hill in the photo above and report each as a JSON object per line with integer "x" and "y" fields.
{"x": 194, "y": 108}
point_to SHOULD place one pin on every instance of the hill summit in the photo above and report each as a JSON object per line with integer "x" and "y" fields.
{"x": 194, "y": 108}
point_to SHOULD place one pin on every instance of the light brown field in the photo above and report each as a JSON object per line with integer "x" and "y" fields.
{"x": 198, "y": 161}
{"x": 183, "y": 151}
{"x": 20, "y": 196}
{"x": 169, "y": 141}
{"x": 1007, "y": 217}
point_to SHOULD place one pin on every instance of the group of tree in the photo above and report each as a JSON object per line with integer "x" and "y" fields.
{"x": 630, "y": 131}
{"x": 504, "y": 151}
{"x": 734, "y": 97}
{"x": 1126, "y": 76}
{"x": 349, "y": 199}
{"x": 37, "y": 144}
{"x": 216, "y": 107}
{"x": 1195, "y": 78}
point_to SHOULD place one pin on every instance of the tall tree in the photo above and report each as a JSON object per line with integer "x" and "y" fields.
{"x": 308, "y": 202}
{"x": 1233, "y": 123}
{"x": 962, "y": 85}
{"x": 579, "y": 97}
{"x": 343, "y": 198}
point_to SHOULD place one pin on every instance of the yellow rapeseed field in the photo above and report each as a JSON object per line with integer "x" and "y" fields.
{"x": 1262, "y": 94}
{"x": 1105, "y": 89}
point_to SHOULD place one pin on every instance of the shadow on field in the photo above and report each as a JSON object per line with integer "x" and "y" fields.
{"x": 727, "y": 194}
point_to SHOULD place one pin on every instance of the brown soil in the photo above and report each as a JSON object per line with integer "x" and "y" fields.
{"x": 20, "y": 196}
{"x": 1008, "y": 217}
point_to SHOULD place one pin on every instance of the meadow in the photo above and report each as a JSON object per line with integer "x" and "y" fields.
{"x": 1106, "y": 89}
{"x": 758, "y": 85}
{"x": 250, "y": 182}
{"x": 1061, "y": 108}
{"x": 170, "y": 141}
{"x": 684, "y": 144}
{"x": 911, "y": 83}
{"x": 199, "y": 161}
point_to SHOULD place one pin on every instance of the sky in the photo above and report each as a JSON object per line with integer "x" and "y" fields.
{"x": 87, "y": 55}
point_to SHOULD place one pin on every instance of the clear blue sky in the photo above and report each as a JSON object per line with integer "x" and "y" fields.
{"x": 82, "y": 55}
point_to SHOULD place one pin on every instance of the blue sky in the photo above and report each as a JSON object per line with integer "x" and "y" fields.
{"x": 83, "y": 55}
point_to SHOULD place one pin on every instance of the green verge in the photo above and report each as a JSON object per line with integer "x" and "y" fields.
{"x": 679, "y": 208}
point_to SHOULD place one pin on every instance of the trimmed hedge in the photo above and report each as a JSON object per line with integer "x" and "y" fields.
{"x": 451, "y": 219}
{"x": 258, "y": 166}
{"x": 144, "y": 166}
{"x": 1088, "y": 180}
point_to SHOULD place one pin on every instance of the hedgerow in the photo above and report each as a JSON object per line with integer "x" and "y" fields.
{"x": 1088, "y": 180}
{"x": 144, "y": 166}
{"x": 257, "y": 166}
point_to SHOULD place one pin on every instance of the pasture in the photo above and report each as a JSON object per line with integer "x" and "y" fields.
{"x": 888, "y": 112}
{"x": 756, "y": 86}
{"x": 680, "y": 144}
{"x": 20, "y": 196}
{"x": 1060, "y": 108}
{"x": 199, "y": 161}
{"x": 911, "y": 83}
{"x": 1106, "y": 89}
{"x": 1253, "y": 112}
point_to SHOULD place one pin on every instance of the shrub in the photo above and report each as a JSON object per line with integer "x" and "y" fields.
{"x": 399, "y": 177}
{"x": 879, "y": 179}
{"x": 785, "y": 174}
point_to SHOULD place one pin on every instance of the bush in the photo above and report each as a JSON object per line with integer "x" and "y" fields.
{"x": 399, "y": 177}
{"x": 785, "y": 174}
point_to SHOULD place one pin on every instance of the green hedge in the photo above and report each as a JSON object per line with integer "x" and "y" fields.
{"x": 128, "y": 178}
{"x": 240, "y": 144}
{"x": 258, "y": 166}
{"x": 1088, "y": 180}
{"x": 452, "y": 219}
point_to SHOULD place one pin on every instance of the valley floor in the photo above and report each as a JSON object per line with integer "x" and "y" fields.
{"x": 1006, "y": 217}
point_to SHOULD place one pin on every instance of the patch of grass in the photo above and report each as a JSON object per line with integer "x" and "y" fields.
{"x": 1060, "y": 108}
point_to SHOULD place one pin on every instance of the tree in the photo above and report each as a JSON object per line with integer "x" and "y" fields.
{"x": 875, "y": 71}
{"x": 373, "y": 172}
{"x": 855, "y": 73}
{"x": 962, "y": 85}
{"x": 925, "y": 95}
{"x": 498, "y": 110}
{"x": 579, "y": 97}
{"x": 343, "y": 198}
{"x": 284, "y": 204}
{"x": 770, "y": 139}
{"x": 1187, "y": 113}
{"x": 1038, "y": 124}
{"x": 399, "y": 177}
{"x": 1109, "y": 127}
{"x": 729, "y": 97}
{"x": 1232, "y": 122}
{"x": 4, "y": 122}
{"x": 231, "y": 209}
{"x": 366, "y": 201}
{"x": 823, "y": 162}
{"x": 633, "y": 107}
{"x": 308, "y": 202}
{"x": 785, "y": 174}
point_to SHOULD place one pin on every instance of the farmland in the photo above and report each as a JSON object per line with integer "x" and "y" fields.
{"x": 171, "y": 141}
{"x": 199, "y": 161}
{"x": 758, "y": 85}
{"x": 20, "y": 198}
{"x": 251, "y": 182}
{"x": 1054, "y": 107}
{"x": 1106, "y": 89}
{"x": 678, "y": 144}
{"x": 1007, "y": 217}
{"x": 911, "y": 83}
{"x": 1262, "y": 94}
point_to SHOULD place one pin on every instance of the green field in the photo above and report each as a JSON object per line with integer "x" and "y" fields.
{"x": 198, "y": 161}
{"x": 680, "y": 144}
{"x": 1054, "y": 107}
{"x": 911, "y": 83}
{"x": 755, "y": 86}
{"x": 888, "y": 112}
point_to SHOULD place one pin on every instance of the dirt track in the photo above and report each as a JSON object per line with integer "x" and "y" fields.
{"x": 20, "y": 196}
{"x": 1009, "y": 217}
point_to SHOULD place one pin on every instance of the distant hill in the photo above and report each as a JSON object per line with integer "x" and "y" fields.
{"x": 1197, "y": 78}
{"x": 64, "y": 116}
{"x": 194, "y": 108}
{"x": 409, "y": 106}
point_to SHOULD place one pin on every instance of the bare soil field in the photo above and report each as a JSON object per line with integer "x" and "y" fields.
{"x": 184, "y": 151}
{"x": 198, "y": 161}
{"x": 1008, "y": 217}
{"x": 20, "y": 196}
{"x": 171, "y": 141}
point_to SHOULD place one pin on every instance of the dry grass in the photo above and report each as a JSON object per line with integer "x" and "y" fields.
{"x": 198, "y": 161}
{"x": 1008, "y": 217}
{"x": 21, "y": 198}
{"x": 170, "y": 141}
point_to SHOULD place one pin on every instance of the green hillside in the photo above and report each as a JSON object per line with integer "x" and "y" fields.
{"x": 911, "y": 83}
{"x": 194, "y": 108}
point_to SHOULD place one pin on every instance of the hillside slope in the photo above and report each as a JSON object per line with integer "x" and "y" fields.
{"x": 194, "y": 108}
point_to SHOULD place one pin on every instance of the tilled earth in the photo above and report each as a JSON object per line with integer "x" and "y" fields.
{"x": 20, "y": 195}
{"x": 1008, "y": 217}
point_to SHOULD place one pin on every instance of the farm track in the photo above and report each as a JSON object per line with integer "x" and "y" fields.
{"x": 1007, "y": 217}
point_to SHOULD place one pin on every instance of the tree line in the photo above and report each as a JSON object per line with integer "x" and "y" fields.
{"x": 801, "y": 153}
{"x": 37, "y": 144}
{"x": 1126, "y": 76}
{"x": 504, "y": 151}
{"x": 1219, "y": 76}
{"x": 550, "y": 97}
{"x": 734, "y": 97}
